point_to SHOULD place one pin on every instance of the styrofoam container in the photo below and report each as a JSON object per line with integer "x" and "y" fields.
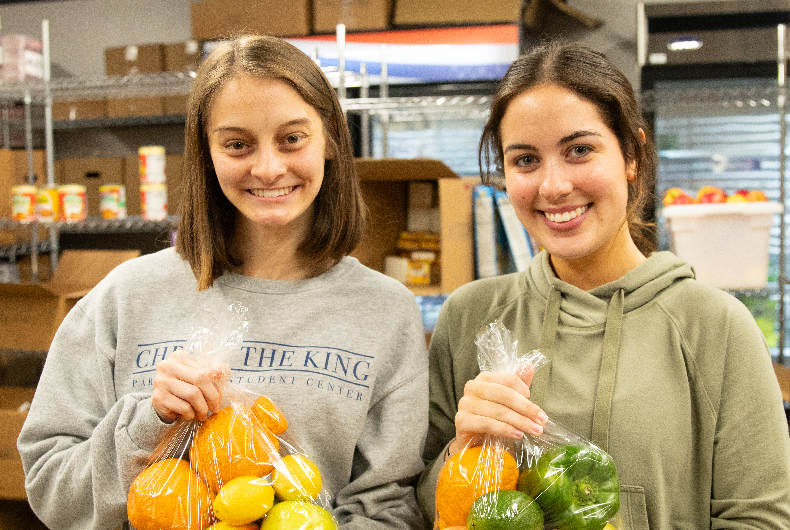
{"x": 727, "y": 243}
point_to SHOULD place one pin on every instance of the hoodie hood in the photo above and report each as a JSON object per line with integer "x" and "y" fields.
{"x": 605, "y": 305}
{"x": 640, "y": 286}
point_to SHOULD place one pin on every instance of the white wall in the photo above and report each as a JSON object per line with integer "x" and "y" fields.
{"x": 80, "y": 30}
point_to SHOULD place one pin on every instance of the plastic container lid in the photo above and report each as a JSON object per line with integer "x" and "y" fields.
{"x": 725, "y": 208}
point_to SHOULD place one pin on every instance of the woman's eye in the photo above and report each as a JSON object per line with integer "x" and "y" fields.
{"x": 292, "y": 139}
{"x": 236, "y": 145}
{"x": 524, "y": 161}
{"x": 580, "y": 150}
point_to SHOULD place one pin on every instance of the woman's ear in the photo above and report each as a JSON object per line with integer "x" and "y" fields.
{"x": 642, "y": 137}
{"x": 630, "y": 171}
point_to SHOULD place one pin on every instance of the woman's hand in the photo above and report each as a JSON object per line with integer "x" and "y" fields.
{"x": 498, "y": 404}
{"x": 185, "y": 388}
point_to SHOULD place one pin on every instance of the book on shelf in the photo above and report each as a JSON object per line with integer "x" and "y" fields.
{"x": 519, "y": 245}
{"x": 485, "y": 232}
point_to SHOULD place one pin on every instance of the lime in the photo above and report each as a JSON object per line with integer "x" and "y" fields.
{"x": 298, "y": 515}
{"x": 297, "y": 478}
{"x": 505, "y": 510}
{"x": 244, "y": 500}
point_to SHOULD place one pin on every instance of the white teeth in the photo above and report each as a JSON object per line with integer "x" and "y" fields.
{"x": 564, "y": 217}
{"x": 272, "y": 193}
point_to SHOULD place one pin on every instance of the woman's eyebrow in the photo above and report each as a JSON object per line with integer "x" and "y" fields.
{"x": 520, "y": 147}
{"x": 563, "y": 140}
{"x": 577, "y": 134}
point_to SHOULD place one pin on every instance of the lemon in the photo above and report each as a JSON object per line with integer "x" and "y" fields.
{"x": 298, "y": 515}
{"x": 222, "y": 525}
{"x": 243, "y": 500}
{"x": 302, "y": 480}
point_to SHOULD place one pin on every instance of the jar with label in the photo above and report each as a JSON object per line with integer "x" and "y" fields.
{"x": 112, "y": 201}
{"x": 23, "y": 207}
{"x": 152, "y": 164}
{"x": 73, "y": 202}
{"x": 153, "y": 201}
{"x": 47, "y": 205}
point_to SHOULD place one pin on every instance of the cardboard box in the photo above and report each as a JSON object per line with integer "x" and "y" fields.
{"x": 222, "y": 19}
{"x": 175, "y": 104}
{"x": 128, "y": 107}
{"x": 33, "y": 312}
{"x": 182, "y": 56}
{"x": 79, "y": 110}
{"x": 727, "y": 243}
{"x": 12, "y": 477}
{"x": 91, "y": 173}
{"x": 357, "y": 15}
{"x": 385, "y": 187}
{"x": 14, "y": 172}
{"x": 454, "y": 12}
{"x": 134, "y": 59}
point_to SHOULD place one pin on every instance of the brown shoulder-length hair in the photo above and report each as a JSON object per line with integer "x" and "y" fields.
{"x": 593, "y": 77}
{"x": 208, "y": 219}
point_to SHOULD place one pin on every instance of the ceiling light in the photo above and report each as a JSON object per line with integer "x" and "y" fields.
{"x": 684, "y": 44}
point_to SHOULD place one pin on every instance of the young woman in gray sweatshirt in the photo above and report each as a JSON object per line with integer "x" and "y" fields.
{"x": 272, "y": 208}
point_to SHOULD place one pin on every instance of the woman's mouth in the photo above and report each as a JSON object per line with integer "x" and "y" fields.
{"x": 272, "y": 193}
{"x": 564, "y": 217}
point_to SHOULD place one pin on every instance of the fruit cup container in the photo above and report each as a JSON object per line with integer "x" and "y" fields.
{"x": 727, "y": 243}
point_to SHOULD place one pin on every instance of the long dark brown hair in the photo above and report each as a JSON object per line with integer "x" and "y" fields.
{"x": 593, "y": 77}
{"x": 208, "y": 218}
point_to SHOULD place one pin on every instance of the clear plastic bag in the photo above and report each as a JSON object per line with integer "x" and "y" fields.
{"x": 553, "y": 481}
{"x": 237, "y": 469}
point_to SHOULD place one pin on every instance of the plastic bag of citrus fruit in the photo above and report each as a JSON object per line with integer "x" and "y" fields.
{"x": 237, "y": 469}
{"x": 554, "y": 481}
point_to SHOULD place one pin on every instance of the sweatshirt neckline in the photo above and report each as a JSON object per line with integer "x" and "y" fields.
{"x": 262, "y": 285}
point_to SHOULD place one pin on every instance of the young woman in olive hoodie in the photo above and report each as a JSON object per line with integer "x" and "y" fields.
{"x": 671, "y": 377}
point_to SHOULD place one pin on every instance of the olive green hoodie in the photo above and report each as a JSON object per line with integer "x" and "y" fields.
{"x": 671, "y": 377}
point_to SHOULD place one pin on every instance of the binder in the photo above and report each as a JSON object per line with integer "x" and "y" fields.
{"x": 485, "y": 228}
{"x": 519, "y": 245}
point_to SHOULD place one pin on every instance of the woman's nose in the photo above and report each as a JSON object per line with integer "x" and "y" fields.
{"x": 268, "y": 164}
{"x": 556, "y": 182}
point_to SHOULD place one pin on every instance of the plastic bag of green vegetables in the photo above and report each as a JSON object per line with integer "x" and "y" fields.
{"x": 574, "y": 482}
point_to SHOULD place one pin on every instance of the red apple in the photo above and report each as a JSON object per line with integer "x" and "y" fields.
{"x": 676, "y": 196}
{"x": 756, "y": 196}
{"x": 711, "y": 194}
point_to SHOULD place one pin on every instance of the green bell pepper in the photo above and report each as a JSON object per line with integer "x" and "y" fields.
{"x": 576, "y": 486}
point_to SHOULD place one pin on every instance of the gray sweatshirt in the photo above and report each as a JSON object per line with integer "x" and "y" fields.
{"x": 343, "y": 355}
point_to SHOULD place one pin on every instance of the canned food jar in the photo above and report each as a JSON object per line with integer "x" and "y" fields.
{"x": 73, "y": 202}
{"x": 23, "y": 207}
{"x": 153, "y": 201}
{"x": 152, "y": 164}
{"x": 47, "y": 205}
{"x": 112, "y": 201}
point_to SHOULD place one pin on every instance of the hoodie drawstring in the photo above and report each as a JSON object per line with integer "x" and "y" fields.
{"x": 604, "y": 393}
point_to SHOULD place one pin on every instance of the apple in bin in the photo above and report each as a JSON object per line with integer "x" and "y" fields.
{"x": 676, "y": 196}
{"x": 711, "y": 194}
{"x": 756, "y": 196}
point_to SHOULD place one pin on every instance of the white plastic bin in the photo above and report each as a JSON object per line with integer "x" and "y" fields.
{"x": 728, "y": 243}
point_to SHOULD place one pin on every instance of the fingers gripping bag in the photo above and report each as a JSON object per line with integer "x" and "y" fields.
{"x": 238, "y": 469}
{"x": 553, "y": 481}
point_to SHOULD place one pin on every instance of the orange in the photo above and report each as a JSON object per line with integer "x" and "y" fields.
{"x": 468, "y": 475}
{"x": 269, "y": 415}
{"x": 168, "y": 494}
{"x": 230, "y": 444}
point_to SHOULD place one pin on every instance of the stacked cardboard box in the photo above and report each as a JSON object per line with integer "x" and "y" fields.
{"x": 129, "y": 61}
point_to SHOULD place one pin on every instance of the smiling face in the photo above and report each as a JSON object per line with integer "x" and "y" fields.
{"x": 268, "y": 150}
{"x": 568, "y": 179}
